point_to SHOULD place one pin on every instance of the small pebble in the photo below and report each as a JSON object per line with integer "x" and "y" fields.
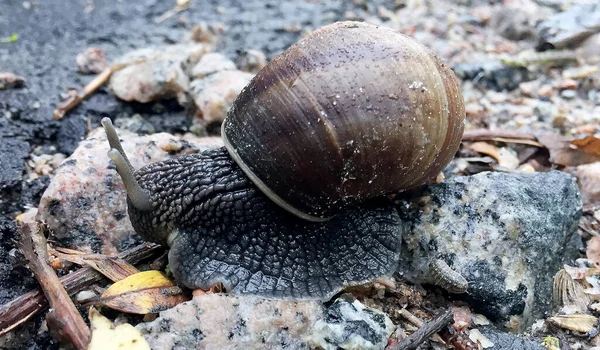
{"x": 568, "y": 94}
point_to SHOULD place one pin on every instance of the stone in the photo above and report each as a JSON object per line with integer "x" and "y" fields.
{"x": 493, "y": 74}
{"x": 156, "y": 73}
{"x": 215, "y": 94}
{"x": 219, "y": 321}
{"x": 567, "y": 29}
{"x": 505, "y": 233}
{"x": 588, "y": 176}
{"x": 91, "y": 61}
{"x": 212, "y": 63}
{"x": 251, "y": 60}
{"x": 348, "y": 324}
{"x": 85, "y": 204}
{"x": 505, "y": 340}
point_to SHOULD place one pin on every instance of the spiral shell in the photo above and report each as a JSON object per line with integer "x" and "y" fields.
{"x": 350, "y": 112}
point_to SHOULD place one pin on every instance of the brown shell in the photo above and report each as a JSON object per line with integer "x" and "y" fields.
{"x": 350, "y": 112}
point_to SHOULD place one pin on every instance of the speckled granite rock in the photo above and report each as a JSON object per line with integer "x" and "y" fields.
{"x": 85, "y": 204}
{"x": 348, "y": 324}
{"x": 217, "y": 321}
{"x": 504, "y": 233}
{"x": 215, "y": 93}
{"x": 504, "y": 340}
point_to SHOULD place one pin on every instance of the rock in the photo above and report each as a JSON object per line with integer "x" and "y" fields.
{"x": 512, "y": 23}
{"x": 215, "y": 94}
{"x": 493, "y": 74}
{"x": 156, "y": 73}
{"x": 135, "y": 124}
{"x": 212, "y": 63}
{"x": 91, "y": 61}
{"x": 217, "y": 321}
{"x": 85, "y": 204}
{"x": 568, "y": 94}
{"x": 569, "y": 28}
{"x": 505, "y": 233}
{"x": 588, "y": 176}
{"x": 13, "y": 152}
{"x": 251, "y": 60}
{"x": 10, "y": 80}
{"x": 504, "y": 340}
{"x": 348, "y": 324}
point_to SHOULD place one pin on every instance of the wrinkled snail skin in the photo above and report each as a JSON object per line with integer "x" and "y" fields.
{"x": 226, "y": 230}
{"x": 292, "y": 207}
{"x": 351, "y": 112}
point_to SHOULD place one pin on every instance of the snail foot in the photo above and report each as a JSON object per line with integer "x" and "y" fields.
{"x": 279, "y": 256}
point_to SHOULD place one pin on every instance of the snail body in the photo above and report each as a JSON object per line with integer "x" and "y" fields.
{"x": 292, "y": 207}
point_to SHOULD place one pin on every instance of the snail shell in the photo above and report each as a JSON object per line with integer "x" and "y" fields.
{"x": 350, "y": 112}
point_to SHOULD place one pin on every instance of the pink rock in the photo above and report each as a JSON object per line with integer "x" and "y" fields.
{"x": 219, "y": 321}
{"x": 215, "y": 94}
{"x": 85, "y": 204}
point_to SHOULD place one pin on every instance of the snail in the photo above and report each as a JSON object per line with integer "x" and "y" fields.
{"x": 294, "y": 205}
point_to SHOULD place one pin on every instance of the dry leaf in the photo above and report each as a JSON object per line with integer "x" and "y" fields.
{"x": 551, "y": 343}
{"x": 564, "y": 151}
{"x": 476, "y": 336}
{"x": 578, "y": 273}
{"x": 579, "y": 323}
{"x": 106, "y": 336}
{"x": 143, "y": 293}
{"x": 112, "y": 267}
{"x": 503, "y": 155}
{"x": 568, "y": 293}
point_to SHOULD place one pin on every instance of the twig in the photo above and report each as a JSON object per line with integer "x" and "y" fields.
{"x": 507, "y": 136}
{"x": 19, "y": 310}
{"x": 417, "y": 322}
{"x": 181, "y": 6}
{"x": 423, "y": 333}
{"x": 75, "y": 99}
{"x": 34, "y": 247}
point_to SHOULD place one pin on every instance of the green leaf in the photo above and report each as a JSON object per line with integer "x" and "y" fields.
{"x": 11, "y": 39}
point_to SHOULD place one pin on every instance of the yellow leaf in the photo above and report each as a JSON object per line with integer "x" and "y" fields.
{"x": 106, "y": 336}
{"x": 576, "y": 322}
{"x": 143, "y": 293}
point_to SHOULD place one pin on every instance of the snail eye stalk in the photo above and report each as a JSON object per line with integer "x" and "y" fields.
{"x": 139, "y": 197}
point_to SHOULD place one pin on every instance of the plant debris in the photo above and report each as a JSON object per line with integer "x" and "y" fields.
{"x": 106, "y": 335}
{"x": 143, "y": 293}
{"x": 10, "y": 81}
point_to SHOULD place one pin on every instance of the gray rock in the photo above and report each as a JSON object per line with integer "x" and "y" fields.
{"x": 569, "y": 28}
{"x": 505, "y": 233}
{"x": 504, "y": 340}
{"x": 493, "y": 74}
{"x": 348, "y": 324}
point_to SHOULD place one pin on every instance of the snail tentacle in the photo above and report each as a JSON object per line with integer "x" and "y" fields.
{"x": 139, "y": 197}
